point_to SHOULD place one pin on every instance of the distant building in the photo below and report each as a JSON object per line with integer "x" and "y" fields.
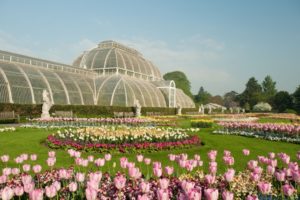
{"x": 108, "y": 75}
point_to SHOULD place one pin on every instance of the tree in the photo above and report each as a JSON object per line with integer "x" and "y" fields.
{"x": 203, "y": 96}
{"x": 283, "y": 101}
{"x": 180, "y": 80}
{"x": 296, "y": 96}
{"x": 230, "y": 99}
{"x": 269, "y": 89}
{"x": 217, "y": 99}
{"x": 252, "y": 94}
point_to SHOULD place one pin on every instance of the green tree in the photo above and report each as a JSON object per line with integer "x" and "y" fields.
{"x": 203, "y": 96}
{"x": 269, "y": 89}
{"x": 230, "y": 99}
{"x": 282, "y": 101}
{"x": 217, "y": 99}
{"x": 180, "y": 80}
{"x": 296, "y": 96}
{"x": 252, "y": 94}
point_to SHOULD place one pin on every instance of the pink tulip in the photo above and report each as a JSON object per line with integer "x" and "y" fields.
{"x": 156, "y": 164}
{"x": 280, "y": 176}
{"x": 19, "y": 160}
{"x": 172, "y": 157}
{"x": 51, "y": 154}
{"x": 145, "y": 187}
{"x": 211, "y": 194}
{"x": 187, "y": 186}
{"x": 96, "y": 176}
{"x": 255, "y": 176}
{"x": 194, "y": 195}
{"x": 252, "y": 164}
{"x": 100, "y": 162}
{"x": 77, "y": 154}
{"x": 37, "y": 168}
{"x": 24, "y": 156}
{"x": 130, "y": 165}
{"x": 164, "y": 183}
{"x": 36, "y": 194}
{"x": 210, "y": 179}
{"x": 264, "y": 187}
{"x": 50, "y": 191}
{"x": 51, "y": 162}
{"x": 26, "y": 179}
{"x": 29, "y": 187}
{"x": 147, "y": 161}
{"x": 72, "y": 186}
{"x": 7, "y": 193}
{"x": 140, "y": 158}
{"x": 134, "y": 172}
{"x": 57, "y": 185}
{"x": 15, "y": 171}
{"x": 19, "y": 191}
{"x": 252, "y": 197}
{"x": 212, "y": 155}
{"x": 162, "y": 194}
{"x": 5, "y": 158}
{"x": 90, "y": 158}
{"x": 197, "y": 157}
{"x": 227, "y": 153}
{"x": 200, "y": 163}
{"x": 6, "y": 171}
{"x": 157, "y": 172}
{"x": 258, "y": 170}
{"x": 246, "y": 152}
{"x": 226, "y": 195}
{"x": 123, "y": 162}
{"x": 107, "y": 157}
{"x": 90, "y": 194}
{"x": 143, "y": 197}
{"x": 119, "y": 182}
{"x": 3, "y": 179}
{"x": 33, "y": 157}
{"x": 270, "y": 170}
{"x": 229, "y": 175}
{"x": 271, "y": 155}
{"x": 288, "y": 190}
{"x": 26, "y": 168}
{"x": 169, "y": 170}
{"x": 296, "y": 176}
{"x": 79, "y": 177}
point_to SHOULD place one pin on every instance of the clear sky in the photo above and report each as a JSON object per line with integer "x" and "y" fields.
{"x": 218, "y": 44}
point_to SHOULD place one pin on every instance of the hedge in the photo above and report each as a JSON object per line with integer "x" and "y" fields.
{"x": 35, "y": 110}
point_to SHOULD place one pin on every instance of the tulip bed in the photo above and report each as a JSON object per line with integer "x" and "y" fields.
{"x": 273, "y": 176}
{"x": 122, "y": 138}
{"x": 269, "y": 131}
{"x": 7, "y": 129}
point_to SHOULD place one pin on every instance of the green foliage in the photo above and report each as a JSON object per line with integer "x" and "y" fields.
{"x": 180, "y": 80}
{"x": 230, "y": 99}
{"x": 30, "y": 110}
{"x": 282, "y": 101}
{"x": 202, "y": 123}
{"x": 252, "y": 94}
{"x": 296, "y": 96}
{"x": 269, "y": 89}
{"x": 202, "y": 97}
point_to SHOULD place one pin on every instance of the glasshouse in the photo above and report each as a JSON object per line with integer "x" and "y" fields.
{"x": 109, "y": 75}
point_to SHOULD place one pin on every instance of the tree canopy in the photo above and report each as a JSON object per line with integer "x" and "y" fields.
{"x": 269, "y": 89}
{"x": 180, "y": 80}
{"x": 203, "y": 97}
{"x": 296, "y": 96}
{"x": 282, "y": 101}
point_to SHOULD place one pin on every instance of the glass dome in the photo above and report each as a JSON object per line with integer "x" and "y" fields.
{"x": 111, "y": 57}
{"x": 109, "y": 75}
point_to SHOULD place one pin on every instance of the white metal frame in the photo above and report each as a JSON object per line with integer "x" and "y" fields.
{"x": 64, "y": 86}
{"x": 8, "y": 86}
{"x": 29, "y": 83}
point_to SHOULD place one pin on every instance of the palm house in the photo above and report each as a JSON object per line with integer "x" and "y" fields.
{"x": 109, "y": 75}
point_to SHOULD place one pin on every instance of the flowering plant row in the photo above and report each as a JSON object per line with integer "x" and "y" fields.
{"x": 236, "y": 119}
{"x": 202, "y": 123}
{"x": 7, "y": 129}
{"x": 68, "y": 121}
{"x": 262, "y": 178}
{"x": 122, "y": 138}
{"x": 280, "y": 129}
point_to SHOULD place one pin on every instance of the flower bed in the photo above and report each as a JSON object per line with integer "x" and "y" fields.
{"x": 261, "y": 179}
{"x": 83, "y": 122}
{"x": 202, "y": 123}
{"x": 7, "y": 129}
{"x": 122, "y": 138}
{"x": 274, "y": 132}
{"x": 237, "y": 119}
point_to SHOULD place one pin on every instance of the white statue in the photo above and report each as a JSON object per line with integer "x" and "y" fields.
{"x": 231, "y": 110}
{"x": 138, "y": 108}
{"x": 47, "y": 104}
{"x": 202, "y": 109}
{"x": 243, "y": 110}
{"x": 178, "y": 109}
{"x": 238, "y": 109}
{"x": 223, "y": 109}
{"x": 209, "y": 109}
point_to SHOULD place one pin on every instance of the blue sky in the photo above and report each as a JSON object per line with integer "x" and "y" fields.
{"x": 218, "y": 44}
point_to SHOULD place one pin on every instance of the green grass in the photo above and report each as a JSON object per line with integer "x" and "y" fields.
{"x": 272, "y": 120}
{"x": 31, "y": 141}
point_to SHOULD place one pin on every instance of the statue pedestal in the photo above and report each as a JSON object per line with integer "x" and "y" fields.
{"x": 45, "y": 116}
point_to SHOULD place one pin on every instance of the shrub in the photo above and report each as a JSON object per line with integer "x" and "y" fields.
{"x": 202, "y": 123}
{"x": 262, "y": 107}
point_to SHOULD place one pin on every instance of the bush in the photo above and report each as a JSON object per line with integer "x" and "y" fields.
{"x": 262, "y": 107}
{"x": 202, "y": 123}
{"x": 31, "y": 110}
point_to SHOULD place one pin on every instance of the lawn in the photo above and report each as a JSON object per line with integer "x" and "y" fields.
{"x": 29, "y": 140}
